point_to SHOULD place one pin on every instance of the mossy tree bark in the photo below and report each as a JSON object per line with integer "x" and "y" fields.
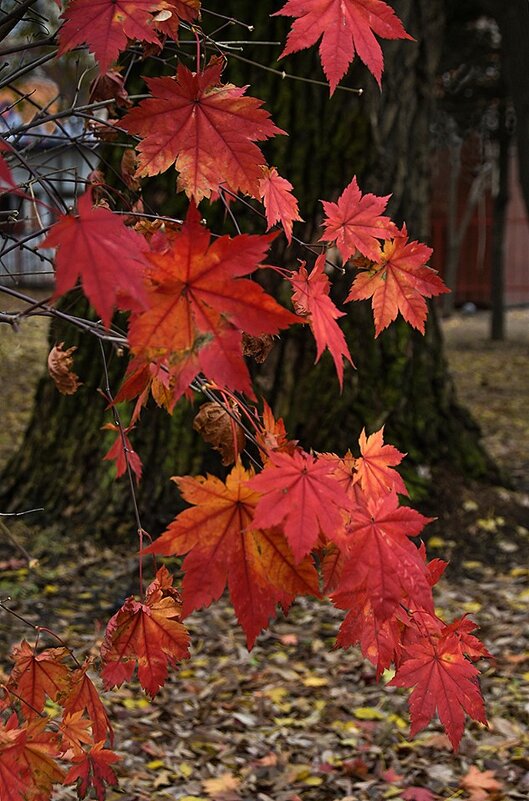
{"x": 401, "y": 378}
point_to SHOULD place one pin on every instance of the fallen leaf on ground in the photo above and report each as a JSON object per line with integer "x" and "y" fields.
{"x": 479, "y": 784}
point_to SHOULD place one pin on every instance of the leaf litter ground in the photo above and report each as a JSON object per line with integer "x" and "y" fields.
{"x": 295, "y": 719}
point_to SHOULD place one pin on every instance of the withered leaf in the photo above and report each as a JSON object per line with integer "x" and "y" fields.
{"x": 220, "y": 431}
{"x": 257, "y": 347}
{"x": 60, "y": 369}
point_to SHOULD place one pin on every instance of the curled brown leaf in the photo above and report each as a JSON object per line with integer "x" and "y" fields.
{"x": 257, "y": 347}
{"x": 220, "y": 431}
{"x": 60, "y": 363}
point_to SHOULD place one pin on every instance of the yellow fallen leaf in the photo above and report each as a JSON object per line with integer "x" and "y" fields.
{"x": 436, "y": 542}
{"x": 276, "y": 694}
{"x": 313, "y": 781}
{"x": 136, "y": 703}
{"x": 471, "y": 606}
{"x": 368, "y": 713}
{"x": 488, "y": 524}
{"x": 399, "y": 722}
{"x": 299, "y": 773}
{"x": 525, "y": 676}
{"x": 315, "y": 681}
{"x": 156, "y": 764}
{"x": 193, "y": 798}
{"x": 284, "y": 721}
{"x": 185, "y": 770}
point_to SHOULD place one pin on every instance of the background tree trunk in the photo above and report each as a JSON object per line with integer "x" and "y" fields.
{"x": 401, "y": 378}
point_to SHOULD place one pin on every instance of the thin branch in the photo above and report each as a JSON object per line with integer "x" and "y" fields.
{"x": 12, "y": 19}
{"x": 119, "y": 424}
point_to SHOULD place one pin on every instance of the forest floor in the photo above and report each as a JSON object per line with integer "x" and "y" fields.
{"x": 295, "y": 719}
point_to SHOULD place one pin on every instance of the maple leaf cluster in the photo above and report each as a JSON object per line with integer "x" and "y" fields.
{"x": 286, "y": 521}
{"x": 261, "y": 535}
{"x": 34, "y": 747}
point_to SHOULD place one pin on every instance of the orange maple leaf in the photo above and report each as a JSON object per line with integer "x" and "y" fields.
{"x": 149, "y": 635}
{"x": 82, "y": 696}
{"x": 35, "y": 676}
{"x": 199, "y": 302}
{"x": 74, "y": 731}
{"x": 399, "y": 282}
{"x": 37, "y": 760}
{"x": 374, "y": 467}
{"x": 219, "y": 534}
{"x": 479, "y": 783}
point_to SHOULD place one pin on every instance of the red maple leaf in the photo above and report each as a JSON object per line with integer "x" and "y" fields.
{"x": 198, "y": 304}
{"x": 374, "y": 467}
{"x": 346, "y": 27}
{"x": 148, "y": 634}
{"x": 355, "y": 222}
{"x": 331, "y": 568}
{"x": 82, "y": 696}
{"x": 222, "y": 546}
{"x": 311, "y": 297}
{"x": 206, "y": 129}
{"x": 443, "y": 680}
{"x": 36, "y": 758}
{"x": 91, "y": 770}
{"x": 378, "y": 639}
{"x": 35, "y": 676}
{"x": 12, "y": 741}
{"x": 382, "y": 562}
{"x": 470, "y": 645}
{"x": 97, "y": 247}
{"x": 106, "y": 26}
{"x": 122, "y": 452}
{"x": 400, "y": 282}
{"x": 300, "y": 493}
{"x": 279, "y": 202}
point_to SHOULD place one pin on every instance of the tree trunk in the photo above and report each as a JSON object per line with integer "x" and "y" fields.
{"x": 401, "y": 378}
{"x": 501, "y": 200}
{"x": 513, "y": 19}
